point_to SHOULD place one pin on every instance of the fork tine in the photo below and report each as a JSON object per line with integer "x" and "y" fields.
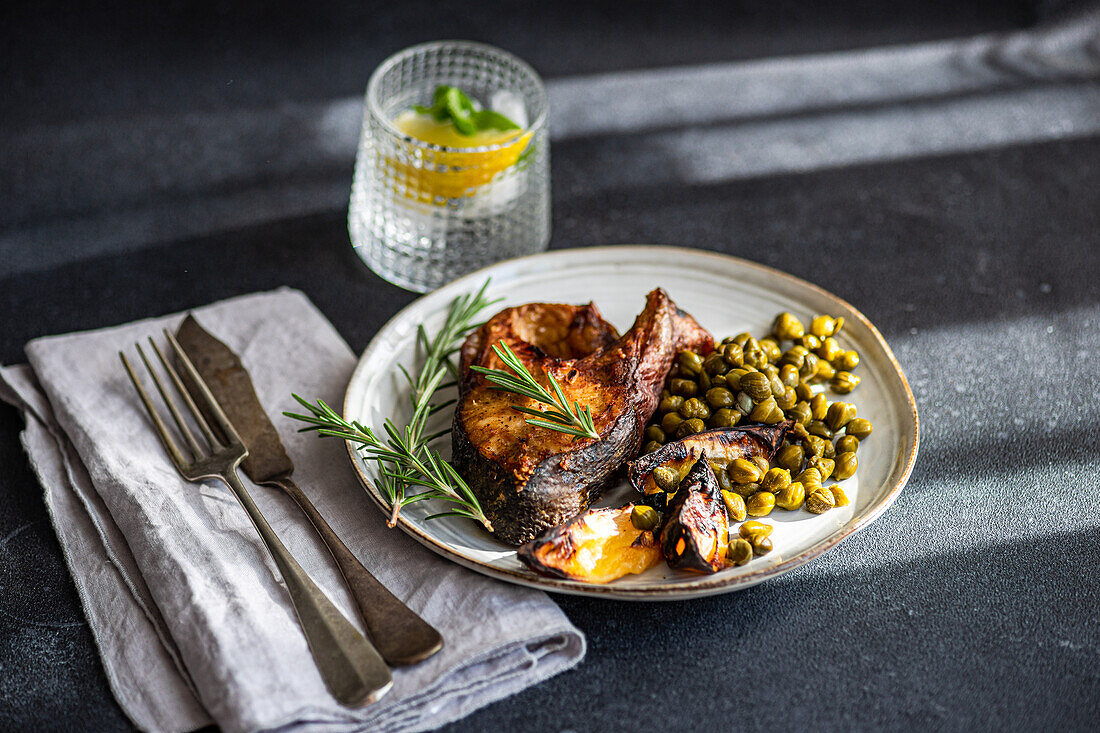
{"x": 212, "y": 405}
{"x": 200, "y": 419}
{"x": 162, "y": 429}
{"x": 196, "y": 450}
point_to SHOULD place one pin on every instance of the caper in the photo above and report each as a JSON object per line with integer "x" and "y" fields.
{"x": 739, "y": 552}
{"x": 763, "y": 410}
{"x": 746, "y": 490}
{"x": 825, "y": 326}
{"x": 724, "y": 418}
{"x": 825, "y": 371}
{"x": 798, "y": 431}
{"x": 820, "y": 501}
{"x": 651, "y": 446}
{"x": 815, "y": 446}
{"x": 819, "y": 406}
{"x": 809, "y": 342}
{"x": 665, "y": 478}
{"x": 719, "y": 397}
{"x": 744, "y": 471}
{"x": 819, "y": 428}
{"x": 733, "y": 378}
{"x": 704, "y": 382}
{"x": 722, "y": 478}
{"x": 644, "y": 517}
{"x": 755, "y": 357}
{"x": 776, "y": 479}
{"x": 808, "y": 370}
{"x": 714, "y": 364}
{"x": 752, "y": 528}
{"x": 670, "y": 404}
{"x": 654, "y": 432}
{"x": 860, "y": 428}
{"x": 824, "y": 466}
{"x": 839, "y": 497}
{"x": 689, "y": 362}
{"x": 761, "y": 463}
{"x": 690, "y": 427}
{"x": 846, "y": 464}
{"x": 694, "y": 407}
{"x": 735, "y": 506}
{"x": 800, "y": 413}
{"x": 756, "y": 386}
{"x": 795, "y": 356}
{"x": 741, "y": 338}
{"x": 844, "y": 382}
{"x": 776, "y": 385}
{"x": 839, "y": 414}
{"x": 733, "y": 354}
{"x": 760, "y": 504}
{"x": 790, "y": 457}
{"x": 828, "y": 450}
{"x": 810, "y": 478}
{"x": 787, "y": 327}
{"x": 670, "y": 422}
{"x": 804, "y": 391}
{"x": 791, "y": 496}
{"x": 743, "y": 403}
{"x": 847, "y": 444}
{"x": 771, "y": 349}
{"x": 786, "y": 400}
{"x": 829, "y": 349}
{"x": 761, "y": 545}
{"x": 776, "y": 415}
{"x": 788, "y": 375}
{"x": 685, "y": 387}
{"x": 848, "y": 361}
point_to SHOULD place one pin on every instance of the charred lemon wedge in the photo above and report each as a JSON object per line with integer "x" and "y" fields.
{"x": 596, "y": 546}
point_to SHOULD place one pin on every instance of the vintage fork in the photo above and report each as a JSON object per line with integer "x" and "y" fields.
{"x": 351, "y": 667}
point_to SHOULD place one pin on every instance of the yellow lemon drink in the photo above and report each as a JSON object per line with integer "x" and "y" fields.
{"x": 453, "y": 167}
{"x": 474, "y": 146}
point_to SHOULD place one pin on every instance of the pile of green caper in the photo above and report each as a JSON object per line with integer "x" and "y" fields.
{"x": 749, "y": 380}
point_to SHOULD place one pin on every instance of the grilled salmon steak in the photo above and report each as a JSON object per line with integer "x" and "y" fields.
{"x": 529, "y": 478}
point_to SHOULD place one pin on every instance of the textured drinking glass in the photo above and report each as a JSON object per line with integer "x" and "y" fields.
{"x": 423, "y": 214}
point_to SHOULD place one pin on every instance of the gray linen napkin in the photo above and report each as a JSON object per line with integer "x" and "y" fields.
{"x": 182, "y": 598}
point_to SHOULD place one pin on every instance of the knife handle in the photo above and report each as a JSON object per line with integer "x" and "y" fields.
{"x": 400, "y": 635}
{"x": 352, "y": 669}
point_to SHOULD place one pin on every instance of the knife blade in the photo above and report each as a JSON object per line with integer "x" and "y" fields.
{"x": 400, "y": 635}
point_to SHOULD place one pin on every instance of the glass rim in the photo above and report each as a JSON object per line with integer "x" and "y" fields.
{"x": 374, "y": 109}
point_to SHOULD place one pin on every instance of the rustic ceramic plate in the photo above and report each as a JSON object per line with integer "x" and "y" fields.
{"x": 727, "y": 296}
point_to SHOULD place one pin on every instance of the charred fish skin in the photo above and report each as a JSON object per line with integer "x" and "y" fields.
{"x": 721, "y": 445}
{"x": 529, "y": 478}
{"x": 559, "y": 488}
{"x": 696, "y": 527}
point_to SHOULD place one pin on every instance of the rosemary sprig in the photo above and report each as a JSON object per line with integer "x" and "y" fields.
{"x": 409, "y": 469}
{"x": 565, "y": 418}
{"x": 403, "y": 460}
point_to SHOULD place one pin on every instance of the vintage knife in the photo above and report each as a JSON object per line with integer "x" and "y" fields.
{"x": 399, "y": 634}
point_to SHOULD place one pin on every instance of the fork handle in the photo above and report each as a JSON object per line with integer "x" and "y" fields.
{"x": 351, "y": 667}
{"x": 400, "y": 635}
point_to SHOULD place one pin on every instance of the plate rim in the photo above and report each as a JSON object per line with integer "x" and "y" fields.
{"x": 706, "y": 585}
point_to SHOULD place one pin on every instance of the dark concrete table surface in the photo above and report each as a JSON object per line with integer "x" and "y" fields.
{"x": 963, "y": 220}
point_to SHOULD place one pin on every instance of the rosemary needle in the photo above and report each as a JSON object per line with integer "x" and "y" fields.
{"x": 571, "y": 419}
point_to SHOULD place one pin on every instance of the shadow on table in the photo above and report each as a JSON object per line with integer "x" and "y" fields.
{"x": 893, "y": 642}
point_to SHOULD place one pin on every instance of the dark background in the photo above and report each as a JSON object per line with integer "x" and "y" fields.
{"x": 65, "y": 61}
{"x": 974, "y": 635}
